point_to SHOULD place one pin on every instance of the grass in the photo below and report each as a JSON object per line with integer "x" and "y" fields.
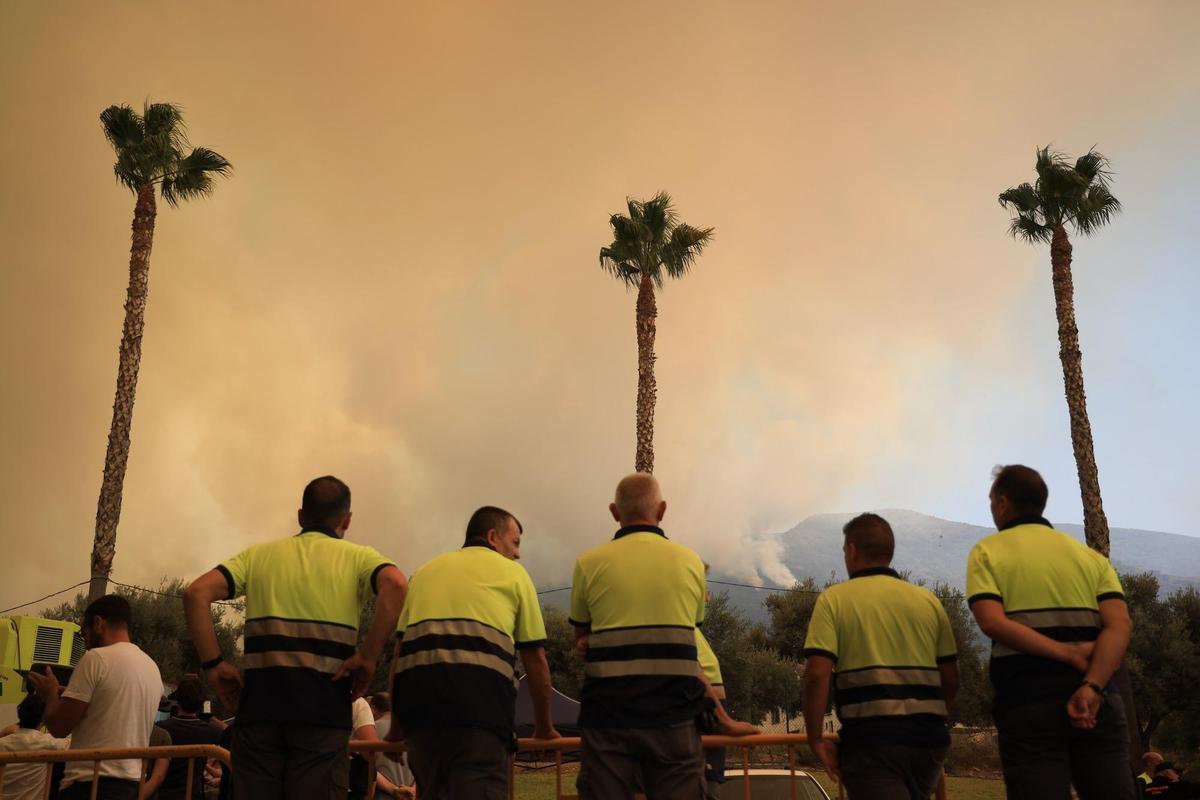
{"x": 540, "y": 786}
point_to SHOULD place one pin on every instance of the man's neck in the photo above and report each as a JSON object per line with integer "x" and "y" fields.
{"x": 640, "y": 523}
{"x": 116, "y": 637}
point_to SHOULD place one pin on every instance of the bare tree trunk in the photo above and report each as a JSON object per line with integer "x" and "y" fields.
{"x": 108, "y": 508}
{"x": 647, "y": 390}
{"x": 1095, "y": 524}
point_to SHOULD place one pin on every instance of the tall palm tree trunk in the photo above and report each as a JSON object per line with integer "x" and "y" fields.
{"x": 1095, "y": 524}
{"x": 647, "y": 390}
{"x": 108, "y": 508}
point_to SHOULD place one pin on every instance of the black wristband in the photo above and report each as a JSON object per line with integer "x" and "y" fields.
{"x": 1095, "y": 687}
{"x": 207, "y": 665}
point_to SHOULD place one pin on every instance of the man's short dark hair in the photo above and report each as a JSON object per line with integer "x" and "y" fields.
{"x": 381, "y": 702}
{"x": 486, "y": 519}
{"x": 112, "y": 608}
{"x": 189, "y": 695}
{"x": 1023, "y": 487}
{"x": 325, "y": 504}
{"x": 31, "y": 711}
{"x": 872, "y": 536}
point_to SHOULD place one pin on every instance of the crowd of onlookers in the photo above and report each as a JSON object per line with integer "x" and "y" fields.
{"x": 879, "y": 648}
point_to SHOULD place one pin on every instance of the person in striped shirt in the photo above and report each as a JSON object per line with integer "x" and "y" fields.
{"x": 887, "y": 647}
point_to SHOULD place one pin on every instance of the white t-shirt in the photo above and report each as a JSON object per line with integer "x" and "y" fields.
{"x": 27, "y": 781}
{"x": 122, "y": 686}
{"x": 360, "y": 712}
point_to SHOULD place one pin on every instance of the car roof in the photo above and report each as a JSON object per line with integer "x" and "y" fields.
{"x": 736, "y": 772}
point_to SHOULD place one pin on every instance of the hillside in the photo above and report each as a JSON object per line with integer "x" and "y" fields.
{"x": 934, "y": 550}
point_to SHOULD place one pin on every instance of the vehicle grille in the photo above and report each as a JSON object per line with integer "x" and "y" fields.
{"x": 47, "y": 648}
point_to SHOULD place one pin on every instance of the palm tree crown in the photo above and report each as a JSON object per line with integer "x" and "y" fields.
{"x": 152, "y": 148}
{"x": 1065, "y": 193}
{"x": 651, "y": 241}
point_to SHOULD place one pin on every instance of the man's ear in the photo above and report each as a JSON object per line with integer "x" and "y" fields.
{"x": 662, "y": 510}
{"x": 345, "y": 525}
{"x": 492, "y": 537}
{"x": 612, "y": 509}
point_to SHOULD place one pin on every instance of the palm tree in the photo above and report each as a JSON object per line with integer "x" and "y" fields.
{"x": 152, "y": 155}
{"x": 1077, "y": 195}
{"x": 649, "y": 245}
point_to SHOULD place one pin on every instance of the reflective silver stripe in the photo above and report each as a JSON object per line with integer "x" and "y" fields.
{"x": 889, "y": 676}
{"x": 302, "y": 629}
{"x": 892, "y": 708}
{"x": 1058, "y": 618}
{"x": 641, "y": 666}
{"x": 719, "y": 691}
{"x": 459, "y": 627}
{"x": 291, "y": 658}
{"x": 628, "y": 636}
{"x": 425, "y": 658}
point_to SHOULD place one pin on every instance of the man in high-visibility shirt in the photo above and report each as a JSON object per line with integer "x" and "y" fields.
{"x": 468, "y": 613}
{"x": 888, "y": 647}
{"x": 1059, "y": 626}
{"x": 301, "y": 668}
{"x": 635, "y": 604}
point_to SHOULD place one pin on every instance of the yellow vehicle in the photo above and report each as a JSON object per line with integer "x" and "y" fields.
{"x": 29, "y": 641}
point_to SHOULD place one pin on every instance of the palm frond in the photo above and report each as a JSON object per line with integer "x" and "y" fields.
{"x": 1028, "y": 228}
{"x": 682, "y": 248}
{"x": 1093, "y": 167}
{"x": 1096, "y": 209}
{"x": 1047, "y": 159}
{"x": 126, "y": 133}
{"x": 164, "y": 118}
{"x": 193, "y": 176}
{"x": 659, "y": 216}
{"x": 619, "y": 261}
{"x": 122, "y": 127}
{"x": 1023, "y": 198}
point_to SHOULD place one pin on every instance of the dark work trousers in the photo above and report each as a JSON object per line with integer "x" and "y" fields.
{"x": 459, "y": 763}
{"x": 714, "y": 772}
{"x": 278, "y": 761}
{"x": 666, "y": 763}
{"x": 890, "y": 771}
{"x": 109, "y": 789}
{"x": 1043, "y": 756}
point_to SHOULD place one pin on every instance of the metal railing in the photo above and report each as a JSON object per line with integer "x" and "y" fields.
{"x": 373, "y": 749}
{"x": 745, "y": 743}
{"x": 51, "y": 757}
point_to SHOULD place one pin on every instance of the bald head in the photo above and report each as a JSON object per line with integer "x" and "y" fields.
{"x": 638, "y": 500}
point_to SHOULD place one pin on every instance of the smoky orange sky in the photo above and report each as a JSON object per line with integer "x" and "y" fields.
{"x": 399, "y": 285}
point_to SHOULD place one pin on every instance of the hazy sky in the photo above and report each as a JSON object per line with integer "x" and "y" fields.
{"x": 400, "y": 286}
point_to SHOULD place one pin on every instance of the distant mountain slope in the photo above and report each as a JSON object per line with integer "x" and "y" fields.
{"x": 932, "y": 550}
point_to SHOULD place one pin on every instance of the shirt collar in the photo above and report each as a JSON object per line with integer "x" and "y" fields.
{"x": 628, "y": 529}
{"x": 869, "y": 571}
{"x": 325, "y": 529}
{"x": 1027, "y": 519}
